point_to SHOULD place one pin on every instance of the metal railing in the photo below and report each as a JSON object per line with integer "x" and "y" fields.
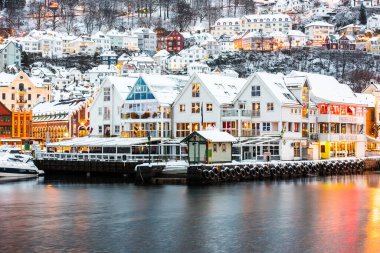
{"x": 110, "y": 157}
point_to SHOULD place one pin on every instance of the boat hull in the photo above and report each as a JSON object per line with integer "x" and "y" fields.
{"x": 13, "y": 172}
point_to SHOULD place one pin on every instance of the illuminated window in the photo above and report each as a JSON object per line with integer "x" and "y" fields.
{"x": 296, "y": 127}
{"x": 270, "y": 107}
{"x": 182, "y": 108}
{"x": 209, "y": 107}
{"x": 195, "y": 87}
{"x": 195, "y": 108}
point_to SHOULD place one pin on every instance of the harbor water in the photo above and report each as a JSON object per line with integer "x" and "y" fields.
{"x": 327, "y": 214}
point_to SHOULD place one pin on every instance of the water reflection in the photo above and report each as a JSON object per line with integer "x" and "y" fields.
{"x": 333, "y": 214}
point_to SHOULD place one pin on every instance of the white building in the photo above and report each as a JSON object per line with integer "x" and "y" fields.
{"x": 147, "y": 109}
{"x": 366, "y": 3}
{"x": 10, "y": 54}
{"x": 340, "y": 119}
{"x": 266, "y": 23}
{"x": 317, "y": 31}
{"x": 97, "y": 74}
{"x": 212, "y": 47}
{"x": 229, "y": 26}
{"x": 200, "y": 103}
{"x": 29, "y": 45}
{"x": 123, "y": 40}
{"x": 141, "y": 64}
{"x": 198, "y": 67}
{"x": 161, "y": 56}
{"x": 82, "y": 45}
{"x": 282, "y": 6}
{"x": 105, "y": 111}
{"x": 226, "y": 43}
{"x": 51, "y": 46}
{"x": 296, "y": 38}
{"x": 175, "y": 63}
{"x": 147, "y": 39}
{"x": 194, "y": 53}
{"x": 102, "y": 42}
{"x": 373, "y": 22}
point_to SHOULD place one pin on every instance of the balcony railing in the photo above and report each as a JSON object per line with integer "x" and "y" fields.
{"x": 22, "y": 101}
{"x": 230, "y": 113}
{"x": 313, "y": 137}
{"x": 255, "y": 114}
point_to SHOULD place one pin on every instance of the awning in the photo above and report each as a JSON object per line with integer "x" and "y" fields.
{"x": 11, "y": 140}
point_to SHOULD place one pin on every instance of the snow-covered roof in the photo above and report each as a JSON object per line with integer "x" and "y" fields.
{"x": 6, "y": 79}
{"x": 108, "y": 54}
{"x": 223, "y": 88}
{"x": 266, "y": 16}
{"x": 327, "y": 89}
{"x": 103, "y": 69}
{"x": 319, "y": 23}
{"x": 367, "y": 99}
{"x": 227, "y": 21}
{"x": 217, "y": 136}
{"x": 162, "y": 53}
{"x": 277, "y": 85}
{"x": 101, "y": 142}
{"x": 296, "y": 33}
{"x": 164, "y": 88}
{"x": 142, "y": 30}
{"x": 57, "y": 107}
{"x": 122, "y": 84}
{"x": 99, "y": 35}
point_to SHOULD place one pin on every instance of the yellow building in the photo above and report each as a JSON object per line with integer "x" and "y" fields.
{"x": 373, "y": 45}
{"x": 20, "y": 92}
{"x": 22, "y": 124}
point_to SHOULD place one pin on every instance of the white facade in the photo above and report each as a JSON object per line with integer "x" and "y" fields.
{"x": 317, "y": 31}
{"x": 175, "y": 63}
{"x": 226, "y": 44}
{"x": 102, "y": 42}
{"x": 373, "y": 22}
{"x": 194, "y": 53}
{"x": 105, "y": 111}
{"x": 29, "y": 44}
{"x": 10, "y": 54}
{"x": 147, "y": 39}
{"x": 123, "y": 40}
{"x": 198, "y": 67}
{"x": 142, "y": 64}
{"x": 230, "y": 26}
{"x": 266, "y": 23}
{"x": 83, "y": 45}
{"x": 51, "y": 46}
{"x": 98, "y": 74}
{"x": 212, "y": 47}
{"x": 296, "y": 38}
{"x": 204, "y": 95}
{"x": 366, "y": 3}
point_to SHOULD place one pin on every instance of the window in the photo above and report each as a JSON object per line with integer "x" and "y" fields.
{"x": 266, "y": 126}
{"x": 297, "y": 149}
{"x": 214, "y": 148}
{"x": 107, "y": 94}
{"x": 255, "y": 91}
{"x": 100, "y": 129}
{"x": 107, "y": 113}
{"x": 195, "y": 108}
{"x": 209, "y": 107}
{"x": 312, "y": 127}
{"x": 21, "y": 86}
{"x": 224, "y": 148}
{"x": 3, "y": 96}
{"x": 29, "y": 96}
{"x": 100, "y": 110}
{"x": 195, "y": 87}
{"x": 296, "y": 127}
{"x": 117, "y": 129}
{"x": 183, "y": 129}
{"x": 270, "y": 107}
{"x": 182, "y": 108}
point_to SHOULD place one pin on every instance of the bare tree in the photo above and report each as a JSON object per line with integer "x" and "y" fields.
{"x": 37, "y": 11}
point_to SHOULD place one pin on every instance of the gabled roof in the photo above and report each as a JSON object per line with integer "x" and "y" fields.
{"x": 213, "y": 136}
{"x": 122, "y": 84}
{"x": 319, "y": 23}
{"x": 327, "y": 89}
{"x": 223, "y": 88}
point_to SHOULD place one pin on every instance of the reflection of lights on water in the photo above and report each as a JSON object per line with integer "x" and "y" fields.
{"x": 373, "y": 226}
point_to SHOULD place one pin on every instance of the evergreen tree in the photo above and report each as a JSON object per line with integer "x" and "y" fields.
{"x": 363, "y": 15}
{"x": 1, "y": 4}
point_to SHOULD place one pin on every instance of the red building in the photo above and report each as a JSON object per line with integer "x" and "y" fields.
{"x": 174, "y": 42}
{"x": 5, "y": 122}
{"x": 161, "y": 34}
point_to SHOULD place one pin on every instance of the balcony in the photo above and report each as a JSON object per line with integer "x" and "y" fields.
{"x": 230, "y": 113}
{"x": 22, "y": 101}
{"x": 341, "y": 137}
{"x": 313, "y": 137}
{"x": 255, "y": 114}
{"x": 358, "y": 119}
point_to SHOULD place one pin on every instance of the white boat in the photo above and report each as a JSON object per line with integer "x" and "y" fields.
{"x": 15, "y": 164}
{"x": 175, "y": 167}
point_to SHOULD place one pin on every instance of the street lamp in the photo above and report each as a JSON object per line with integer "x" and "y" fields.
{"x": 53, "y": 6}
